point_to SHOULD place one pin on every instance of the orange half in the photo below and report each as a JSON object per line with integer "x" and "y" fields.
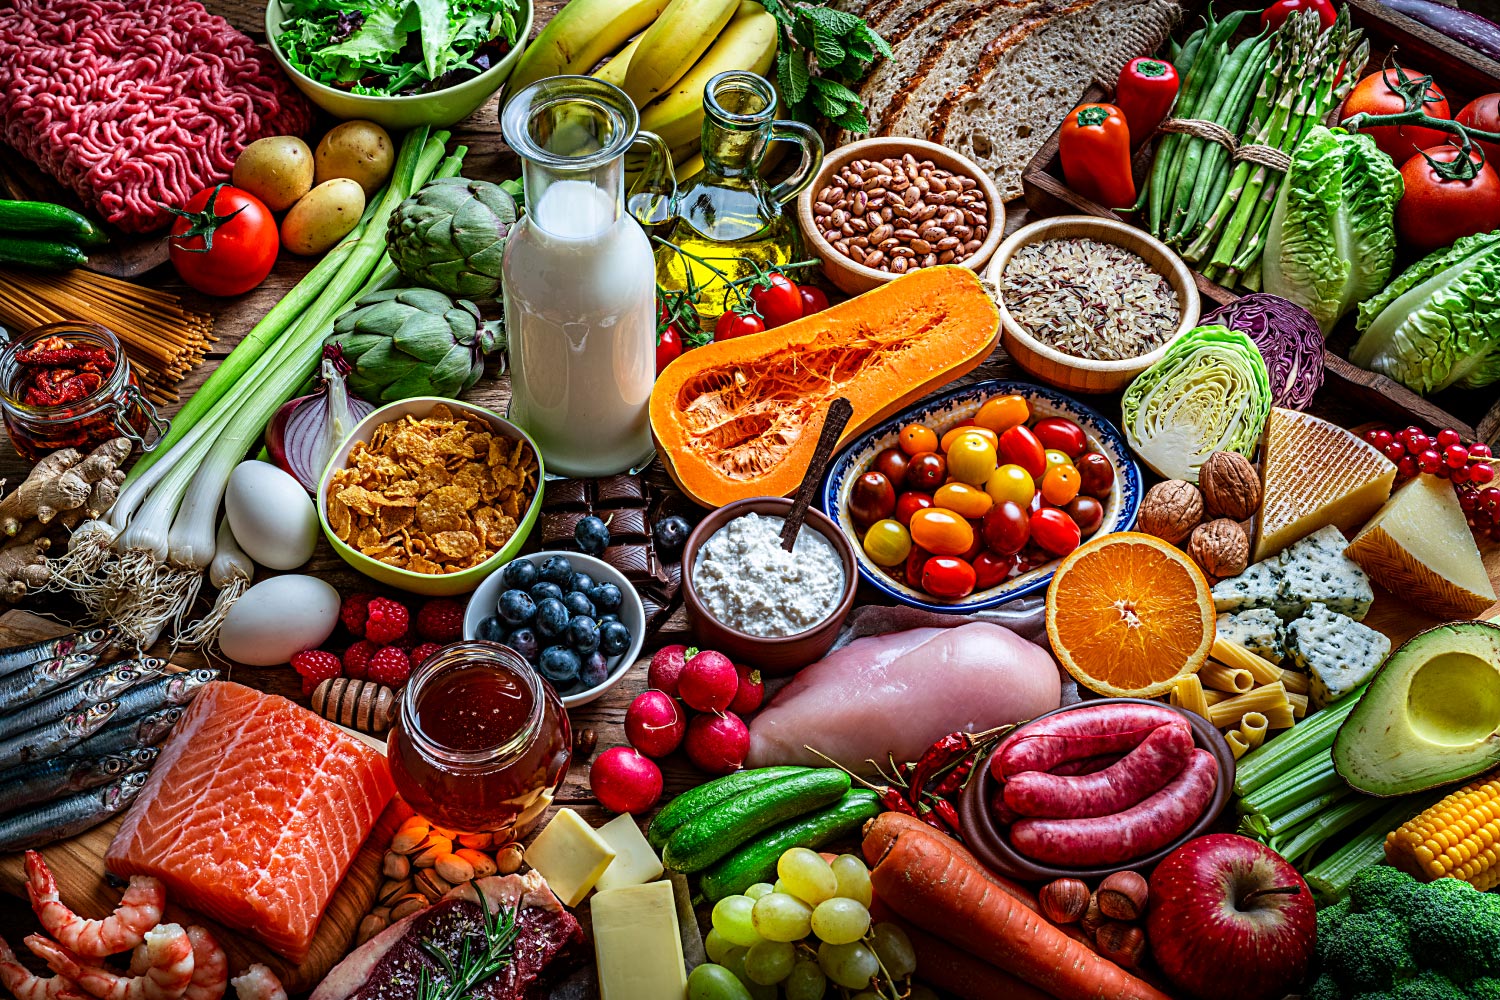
{"x": 1128, "y": 615}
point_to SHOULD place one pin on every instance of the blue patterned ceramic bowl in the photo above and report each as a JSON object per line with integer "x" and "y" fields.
{"x": 942, "y": 412}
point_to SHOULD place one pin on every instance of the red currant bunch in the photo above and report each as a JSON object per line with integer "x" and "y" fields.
{"x": 1471, "y": 468}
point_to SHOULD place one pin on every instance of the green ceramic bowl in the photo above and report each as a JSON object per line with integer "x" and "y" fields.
{"x": 427, "y": 584}
{"x": 438, "y": 109}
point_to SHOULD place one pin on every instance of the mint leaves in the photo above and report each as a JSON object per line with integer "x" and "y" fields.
{"x": 834, "y": 49}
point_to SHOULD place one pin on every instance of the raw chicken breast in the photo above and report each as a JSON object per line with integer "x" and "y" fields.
{"x": 899, "y": 693}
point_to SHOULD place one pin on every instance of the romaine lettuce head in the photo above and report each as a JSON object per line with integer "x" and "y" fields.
{"x": 1438, "y": 323}
{"x": 1332, "y": 241}
{"x": 1209, "y": 392}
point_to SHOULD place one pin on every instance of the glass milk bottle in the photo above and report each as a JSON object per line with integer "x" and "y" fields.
{"x": 580, "y": 288}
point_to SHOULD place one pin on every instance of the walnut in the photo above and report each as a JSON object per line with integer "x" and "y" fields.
{"x": 1220, "y": 548}
{"x": 1230, "y": 485}
{"x": 1171, "y": 510}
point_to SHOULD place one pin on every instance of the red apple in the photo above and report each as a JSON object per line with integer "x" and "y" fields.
{"x": 1230, "y": 919}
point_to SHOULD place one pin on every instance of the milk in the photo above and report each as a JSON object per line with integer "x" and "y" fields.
{"x": 580, "y": 311}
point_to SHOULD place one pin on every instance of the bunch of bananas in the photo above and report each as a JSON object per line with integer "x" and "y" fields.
{"x": 662, "y": 53}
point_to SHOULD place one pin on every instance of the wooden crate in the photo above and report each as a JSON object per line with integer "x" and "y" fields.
{"x": 1463, "y": 73}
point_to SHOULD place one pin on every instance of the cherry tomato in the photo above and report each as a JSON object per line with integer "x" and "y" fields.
{"x": 961, "y": 498}
{"x": 990, "y": 569}
{"x": 941, "y": 532}
{"x": 779, "y": 303}
{"x": 1002, "y": 413}
{"x": 668, "y": 346}
{"x": 1434, "y": 211}
{"x": 1374, "y": 95}
{"x": 971, "y": 459}
{"x": 977, "y": 546}
{"x": 945, "y": 576}
{"x": 1060, "y": 484}
{"x": 1087, "y": 513}
{"x": 916, "y": 438}
{"x": 892, "y": 464}
{"x": 926, "y": 471}
{"x": 1275, "y": 15}
{"x": 1055, "y": 531}
{"x": 912, "y": 571}
{"x": 1007, "y": 528}
{"x": 1019, "y": 446}
{"x": 1064, "y": 435}
{"x": 954, "y": 432}
{"x": 1011, "y": 482}
{"x": 909, "y": 503}
{"x": 813, "y": 299}
{"x": 1097, "y": 473}
{"x": 1483, "y": 113}
{"x": 871, "y": 499}
{"x": 1057, "y": 459}
{"x": 227, "y": 249}
{"x": 887, "y": 543}
{"x": 733, "y": 324}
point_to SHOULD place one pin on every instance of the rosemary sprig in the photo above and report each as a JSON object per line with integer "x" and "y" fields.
{"x": 475, "y": 965}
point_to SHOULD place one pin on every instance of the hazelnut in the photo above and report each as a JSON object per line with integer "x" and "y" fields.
{"x": 1122, "y": 896}
{"x": 1230, "y": 485}
{"x": 1064, "y": 901}
{"x": 1123, "y": 944}
{"x": 1093, "y": 916}
{"x": 1220, "y": 548}
{"x": 1171, "y": 510}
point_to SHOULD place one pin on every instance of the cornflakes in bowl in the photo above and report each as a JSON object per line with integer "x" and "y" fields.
{"x": 431, "y": 495}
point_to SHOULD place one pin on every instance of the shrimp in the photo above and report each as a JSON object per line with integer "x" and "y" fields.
{"x": 258, "y": 983}
{"x": 22, "y": 982}
{"x": 210, "y": 965}
{"x": 139, "y": 911}
{"x": 168, "y": 975}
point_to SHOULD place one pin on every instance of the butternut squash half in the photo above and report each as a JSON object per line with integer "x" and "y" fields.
{"x": 740, "y": 418}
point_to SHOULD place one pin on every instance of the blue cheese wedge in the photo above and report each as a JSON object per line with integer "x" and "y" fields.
{"x": 1258, "y": 630}
{"x": 1316, "y": 570}
{"x": 1258, "y": 587}
{"x": 1338, "y": 652}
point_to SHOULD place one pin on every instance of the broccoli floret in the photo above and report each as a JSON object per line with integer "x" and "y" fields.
{"x": 1324, "y": 988}
{"x": 1381, "y": 887}
{"x": 1429, "y": 985}
{"x": 1487, "y": 988}
{"x": 1369, "y": 952}
{"x": 1331, "y": 918}
{"x": 1456, "y": 928}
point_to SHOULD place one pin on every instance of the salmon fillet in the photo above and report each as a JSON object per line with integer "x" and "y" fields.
{"x": 253, "y": 813}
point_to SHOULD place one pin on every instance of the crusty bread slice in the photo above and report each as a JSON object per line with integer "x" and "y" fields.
{"x": 909, "y": 39}
{"x": 1025, "y": 81}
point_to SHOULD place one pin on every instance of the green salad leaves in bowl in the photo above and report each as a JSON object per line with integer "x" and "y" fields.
{"x": 399, "y": 63}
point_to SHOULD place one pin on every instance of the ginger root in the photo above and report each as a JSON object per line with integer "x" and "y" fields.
{"x": 23, "y": 567}
{"x": 65, "y": 481}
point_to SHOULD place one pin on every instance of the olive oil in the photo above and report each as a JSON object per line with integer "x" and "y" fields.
{"x": 773, "y": 242}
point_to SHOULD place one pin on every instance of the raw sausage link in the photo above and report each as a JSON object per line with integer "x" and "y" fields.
{"x": 1143, "y": 828}
{"x": 1087, "y": 731}
{"x": 1086, "y": 765}
{"x": 1142, "y": 772}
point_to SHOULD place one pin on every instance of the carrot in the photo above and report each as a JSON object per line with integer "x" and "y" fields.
{"x": 955, "y": 971}
{"x": 923, "y": 879}
{"x": 882, "y": 831}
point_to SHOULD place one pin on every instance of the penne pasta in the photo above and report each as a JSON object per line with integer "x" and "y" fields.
{"x": 1298, "y": 703}
{"x": 1234, "y": 655}
{"x": 1188, "y": 694}
{"x": 1266, "y": 700}
{"x": 1280, "y": 717}
{"x": 1253, "y": 726}
{"x": 1237, "y": 744}
{"x": 1234, "y": 680}
{"x": 1295, "y": 682}
{"x": 1214, "y": 697}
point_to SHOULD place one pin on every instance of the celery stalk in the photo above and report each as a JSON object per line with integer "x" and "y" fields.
{"x": 1329, "y": 879}
{"x": 1311, "y": 736}
{"x": 1305, "y": 839}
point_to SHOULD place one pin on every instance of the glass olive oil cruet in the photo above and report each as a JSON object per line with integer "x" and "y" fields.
{"x": 728, "y": 214}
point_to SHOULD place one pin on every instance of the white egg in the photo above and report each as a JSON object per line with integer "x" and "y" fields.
{"x": 271, "y": 515}
{"x": 278, "y": 618}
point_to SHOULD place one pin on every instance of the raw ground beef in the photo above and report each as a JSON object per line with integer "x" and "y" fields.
{"x": 134, "y": 104}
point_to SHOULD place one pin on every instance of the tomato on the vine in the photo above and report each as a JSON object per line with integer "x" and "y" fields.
{"x": 813, "y": 299}
{"x": 1374, "y": 95}
{"x": 227, "y": 248}
{"x": 779, "y": 301}
{"x": 1483, "y": 113}
{"x": 668, "y": 346}
{"x": 1436, "y": 210}
{"x": 733, "y": 324}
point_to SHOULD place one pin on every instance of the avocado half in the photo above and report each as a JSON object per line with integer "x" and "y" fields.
{"x": 1431, "y": 715}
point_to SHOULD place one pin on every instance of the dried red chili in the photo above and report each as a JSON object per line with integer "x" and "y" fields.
{"x": 54, "y": 372}
{"x": 56, "y": 352}
{"x": 954, "y": 779}
{"x": 941, "y": 754}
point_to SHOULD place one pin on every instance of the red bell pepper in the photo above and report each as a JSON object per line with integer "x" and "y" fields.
{"x": 1145, "y": 92}
{"x": 1274, "y": 15}
{"x": 1095, "y": 148}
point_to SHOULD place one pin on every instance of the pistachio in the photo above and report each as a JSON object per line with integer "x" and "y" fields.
{"x": 395, "y": 865}
{"x": 407, "y": 905}
{"x": 454, "y": 868}
{"x": 482, "y": 864}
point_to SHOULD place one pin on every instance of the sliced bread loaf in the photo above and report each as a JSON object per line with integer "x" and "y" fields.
{"x": 910, "y": 38}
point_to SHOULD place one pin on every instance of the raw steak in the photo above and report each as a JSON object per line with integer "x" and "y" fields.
{"x": 253, "y": 814}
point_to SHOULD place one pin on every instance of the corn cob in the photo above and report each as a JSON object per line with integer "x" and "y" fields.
{"x": 1455, "y": 838}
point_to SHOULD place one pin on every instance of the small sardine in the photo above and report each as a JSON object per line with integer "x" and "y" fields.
{"x": 174, "y": 689}
{"x": 70, "y": 816}
{"x": 103, "y": 684}
{"x": 43, "y": 677}
{"x": 141, "y": 731}
{"x": 32, "y": 784}
{"x": 52, "y": 739}
{"x": 95, "y": 641}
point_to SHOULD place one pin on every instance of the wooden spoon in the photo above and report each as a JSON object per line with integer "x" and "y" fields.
{"x": 833, "y": 426}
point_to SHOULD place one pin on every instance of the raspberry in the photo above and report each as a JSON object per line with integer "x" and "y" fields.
{"x": 316, "y": 666}
{"x": 390, "y": 666}
{"x": 441, "y": 620}
{"x": 423, "y": 653}
{"x": 354, "y": 611}
{"x": 387, "y": 622}
{"x": 357, "y": 659}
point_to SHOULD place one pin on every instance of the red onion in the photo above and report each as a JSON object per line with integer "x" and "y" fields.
{"x": 1288, "y": 339}
{"x": 306, "y": 431}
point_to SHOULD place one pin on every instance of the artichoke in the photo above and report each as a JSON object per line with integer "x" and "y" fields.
{"x": 451, "y": 234}
{"x": 406, "y": 342}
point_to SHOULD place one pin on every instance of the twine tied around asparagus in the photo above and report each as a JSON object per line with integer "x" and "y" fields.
{"x": 1265, "y": 156}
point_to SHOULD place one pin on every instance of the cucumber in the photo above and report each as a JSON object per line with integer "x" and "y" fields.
{"x": 712, "y": 834}
{"x": 756, "y": 861}
{"x": 37, "y": 218}
{"x": 41, "y": 253}
{"x": 696, "y": 800}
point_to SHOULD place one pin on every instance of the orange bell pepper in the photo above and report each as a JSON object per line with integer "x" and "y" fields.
{"x": 1095, "y": 148}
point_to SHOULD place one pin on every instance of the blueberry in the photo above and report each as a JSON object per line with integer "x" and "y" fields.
{"x": 614, "y": 638}
{"x": 492, "y": 629}
{"x": 592, "y": 536}
{"x": 519, "y": 574}
{"x": 523, "y": 641}
{"x": 551, "y": 617}
{"x": 558, "y": 570}
{"x": 559, "y": 664}
{"x": 581, "y": 583}
{"x": 578, "y": 604}
{"x": 671, "y": 535}
{"x": 541, "y": 591}
{"x": 595, "y": 670}
{"x": 606, "y": 597}
{"x": 583, "y": 634}
{"x": 516, "y": 607}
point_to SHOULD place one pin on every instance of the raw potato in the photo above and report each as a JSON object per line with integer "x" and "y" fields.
{"x": 322, "y": 217}
{"x": 358, "y": 150}
{"x": 277, "y": 169}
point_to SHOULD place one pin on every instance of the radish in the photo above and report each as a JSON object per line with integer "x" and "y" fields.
{"x": 655, "y": 723}
{"x": 751, "y": 692}
{"x": 624, "y": 781}
{"x": 708, "y": 682}
{"x": 717, "y": 744}
{"x": 666, "y": 667}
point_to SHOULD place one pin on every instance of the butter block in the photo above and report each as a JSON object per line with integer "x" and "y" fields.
{"x": 570, "y": 856}
{"x": 635, "y": 862}
{"x": 637, "y": 944}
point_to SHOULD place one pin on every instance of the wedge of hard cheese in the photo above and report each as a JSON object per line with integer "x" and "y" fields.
{"x": 1419, "y": 546}
{"x": 1315, "y": 474}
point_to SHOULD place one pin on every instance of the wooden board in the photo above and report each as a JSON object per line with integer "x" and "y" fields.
{"x": 78, "y": 864}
